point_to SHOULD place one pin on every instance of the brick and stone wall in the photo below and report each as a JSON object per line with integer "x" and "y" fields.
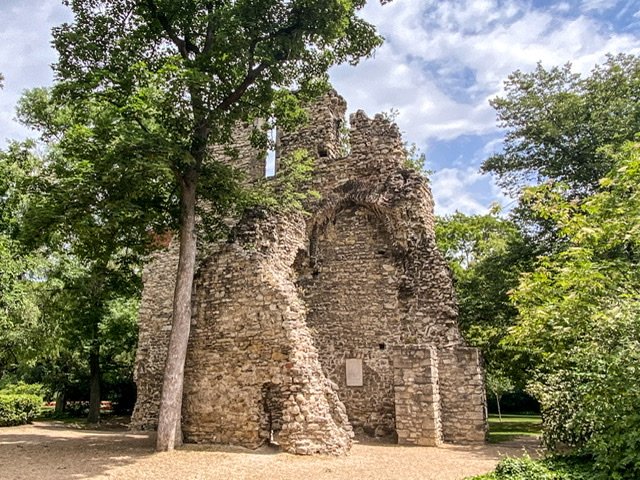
{"x": 417, "y": 395}
{"x": 252, "y": 370}
{"x": 283, "y": 307}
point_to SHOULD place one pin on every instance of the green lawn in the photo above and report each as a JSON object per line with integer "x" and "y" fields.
{"x": 513, "y": 426}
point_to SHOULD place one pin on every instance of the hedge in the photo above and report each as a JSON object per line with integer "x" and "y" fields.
{"x": 18, "y": 409}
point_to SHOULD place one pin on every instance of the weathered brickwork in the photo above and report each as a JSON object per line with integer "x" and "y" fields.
{"x": 417, "y": 395}
{"x": 283, "y": 306}
{"x": 154, "y": 318}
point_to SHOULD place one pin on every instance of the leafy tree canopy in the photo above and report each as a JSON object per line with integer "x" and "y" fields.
{"x": 557, "y": 121}
{"x": 578, "y": 314}
{"x": 486, "y": 254}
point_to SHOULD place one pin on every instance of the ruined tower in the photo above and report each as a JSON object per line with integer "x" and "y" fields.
{"x": 306, "y": 328}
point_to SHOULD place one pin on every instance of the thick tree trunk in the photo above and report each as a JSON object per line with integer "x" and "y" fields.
{"x": 169, "y": 431}
{"x": 61, "y": 403}
{"x": 94, "y": 389}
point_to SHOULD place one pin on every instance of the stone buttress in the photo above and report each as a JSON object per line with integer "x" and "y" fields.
{"x": 307, "y": 327}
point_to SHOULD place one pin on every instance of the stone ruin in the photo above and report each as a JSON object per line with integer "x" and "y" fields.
{"x": 308, "y": 328}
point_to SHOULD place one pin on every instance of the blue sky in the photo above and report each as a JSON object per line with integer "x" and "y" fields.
{"x": 441, "y": 63}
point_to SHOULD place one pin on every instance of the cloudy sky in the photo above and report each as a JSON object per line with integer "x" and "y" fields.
{"x": 441, "y": 63}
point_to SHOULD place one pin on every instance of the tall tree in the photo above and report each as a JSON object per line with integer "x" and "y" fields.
{"x": 206, "y": 64}
{"x": 579, "y": 314}
{"x": 90, "y": 207}
{"x": 557, "y": 121}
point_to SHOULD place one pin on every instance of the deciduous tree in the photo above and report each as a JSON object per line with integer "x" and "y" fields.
{"x": 578, "y": 314}
{"x": 556, "y": 121}
{"x": 186, "y": 71}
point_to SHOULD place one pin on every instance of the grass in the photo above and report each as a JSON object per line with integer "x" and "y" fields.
{"x": 513, "y": 426}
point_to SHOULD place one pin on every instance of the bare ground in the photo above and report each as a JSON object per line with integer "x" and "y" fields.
{"x": 55, "y": 451}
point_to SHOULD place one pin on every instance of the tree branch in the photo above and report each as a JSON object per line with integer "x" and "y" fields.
{"x": 168, "y": 28}
{"x": 234, "y": 96}
{"x": 208, "y": 41}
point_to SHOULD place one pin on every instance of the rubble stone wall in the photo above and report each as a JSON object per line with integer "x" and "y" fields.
{"x": 351, "y": 290}
{"x": 463, "y": 398}
{"x": 417, "y": 395}
{"x": 252, "y": 370}
{"x": 282, "y": 306}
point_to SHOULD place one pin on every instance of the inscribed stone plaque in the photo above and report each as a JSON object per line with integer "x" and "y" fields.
{"x": 354, "y": 372}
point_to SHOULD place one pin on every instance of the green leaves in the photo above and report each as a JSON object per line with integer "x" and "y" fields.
{"x": 557, "y": 121}
{"x": 579, "y": 315}
{"x": 486, "y": 253}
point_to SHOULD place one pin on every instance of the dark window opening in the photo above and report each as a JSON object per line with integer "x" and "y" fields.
{"x": 272, "y": 407}
{"x": 323, "y": 152}
{"x": 382, "y": 346}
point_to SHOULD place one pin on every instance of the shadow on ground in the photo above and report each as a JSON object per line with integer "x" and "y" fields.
{"x": 57, "y": 451}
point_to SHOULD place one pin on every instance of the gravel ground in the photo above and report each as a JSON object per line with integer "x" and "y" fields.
{"x": 55, "y": 451}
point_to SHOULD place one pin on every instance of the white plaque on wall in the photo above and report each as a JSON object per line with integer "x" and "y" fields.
{"x": 354, "y": 372}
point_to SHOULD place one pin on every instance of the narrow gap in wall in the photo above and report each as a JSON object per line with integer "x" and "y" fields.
{"x": 270, "y": 160}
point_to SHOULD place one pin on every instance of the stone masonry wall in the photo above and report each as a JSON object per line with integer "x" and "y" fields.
{"x": 252, "y": 370}
{"x": 282, "y": 306}
{"x": 463, "y": 400}
{"x": 417, "y": 395}
{"x": 350, "y": 288}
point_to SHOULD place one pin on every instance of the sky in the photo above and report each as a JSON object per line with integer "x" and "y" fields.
{"x": 440, "y": 64}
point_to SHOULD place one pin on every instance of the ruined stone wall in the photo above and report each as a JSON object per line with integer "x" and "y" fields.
{"x": 417, "y": 395}
{"x": 241, "y": 154}
{"x": 252, "y": 370}
{"x": 156, "y": 311}
{"x": 463, "y": 401}
{"x": 350, "y": 284}
{"x": 282, "y": 307}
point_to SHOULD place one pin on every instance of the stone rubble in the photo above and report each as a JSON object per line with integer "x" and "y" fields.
{"x": 283, "y": 304}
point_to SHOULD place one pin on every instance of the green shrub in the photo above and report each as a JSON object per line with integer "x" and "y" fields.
{"x": 18, "y": 409}
{"x": 22, "y": 388}
{"x": 554, "y": 468}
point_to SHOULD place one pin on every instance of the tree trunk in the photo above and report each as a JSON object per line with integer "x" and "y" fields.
{"x": 94, "y": 389}
{"x": 169, "y": 431}
{"x": 498, "y": 403}
{"x": 61, "y": 403}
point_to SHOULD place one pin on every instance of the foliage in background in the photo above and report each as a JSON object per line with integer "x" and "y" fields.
{"x": 580, "y": 318}
{"x": 486, "y": 253}
{"x": 556, "y": 122}
{"x": 19, "y": 403}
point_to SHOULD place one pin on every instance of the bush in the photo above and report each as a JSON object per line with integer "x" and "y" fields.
{"x": 22, "y": 388}
{"x": 554, "y": 468}
{"x": 18, "y": 408}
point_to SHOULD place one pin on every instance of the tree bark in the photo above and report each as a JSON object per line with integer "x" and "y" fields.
{"x": 61, "y": 402}
{"x": 94, "y": 389}
{"x": 169, "y": 431}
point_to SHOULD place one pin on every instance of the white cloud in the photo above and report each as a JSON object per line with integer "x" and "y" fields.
{"x": 598, "y": 5}
{"x": 451, "y": 190}
{"x": 429, "y": 41}
{"x": 443, "y": 61}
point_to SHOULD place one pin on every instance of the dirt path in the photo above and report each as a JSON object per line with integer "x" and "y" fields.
{"x": 54, "y": 451}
